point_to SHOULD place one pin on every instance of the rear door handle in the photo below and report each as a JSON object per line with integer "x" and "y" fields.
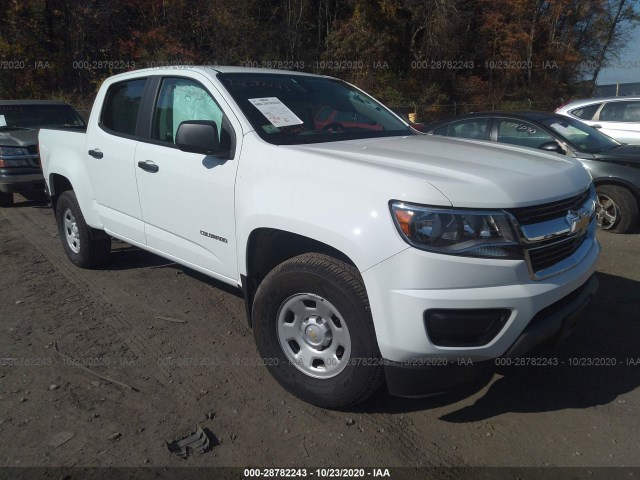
{"x": 96, "y": 153}
{"x": 148, "y": 166}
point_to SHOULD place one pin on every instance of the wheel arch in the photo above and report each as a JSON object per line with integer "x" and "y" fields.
{"x": 58, "y": 184}
{"x": 618, "y": 182}
{"x": 268, "y": 247}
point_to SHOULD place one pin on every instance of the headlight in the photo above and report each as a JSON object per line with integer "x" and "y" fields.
{"x": 13, "y": 151}
{"x": 7, "y": 155}
{"x": 477, "y": 233}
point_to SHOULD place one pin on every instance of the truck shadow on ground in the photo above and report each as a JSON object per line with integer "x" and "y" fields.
{"x": 127, "y": 257}
{"x": 598, "y": 363}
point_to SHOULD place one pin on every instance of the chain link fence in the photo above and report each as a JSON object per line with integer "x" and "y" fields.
{"x": 432, "y": 113}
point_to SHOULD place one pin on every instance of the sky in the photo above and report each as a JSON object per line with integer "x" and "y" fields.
{"x": 628, "y": 69}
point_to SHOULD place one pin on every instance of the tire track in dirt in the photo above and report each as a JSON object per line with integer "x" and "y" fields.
{"x": 399, "y": 444}
{"x": 90, "y": 285}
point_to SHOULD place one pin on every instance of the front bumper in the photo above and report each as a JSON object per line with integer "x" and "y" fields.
{"x": 402, "y": 288}
{"x": 11, "y": 183}
{"x": 552, "y": 324}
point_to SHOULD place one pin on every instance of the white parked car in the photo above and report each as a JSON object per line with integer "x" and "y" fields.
{"x": 364, "y": 254}
{"x": 618, "y": 117}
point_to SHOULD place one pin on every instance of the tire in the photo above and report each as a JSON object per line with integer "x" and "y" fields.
{"x": 86, "y": 247}
{"x": 619, "y": 209}
{"x": 6, "y": 199}
{"x": 332, "y": 305}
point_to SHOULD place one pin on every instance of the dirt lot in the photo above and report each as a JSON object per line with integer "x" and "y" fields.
{"x": 53, "y": 413}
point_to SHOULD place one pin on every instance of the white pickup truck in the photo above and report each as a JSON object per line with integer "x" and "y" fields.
{"x": 366, "y": 251}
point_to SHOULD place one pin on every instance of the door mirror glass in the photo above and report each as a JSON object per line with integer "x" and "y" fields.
{"x": 198, "y": 136}
{"x": 551, "y": 147}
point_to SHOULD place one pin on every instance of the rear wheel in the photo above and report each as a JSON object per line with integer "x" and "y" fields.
{"x": 85, "y": 246}
{"x": 6, "y": 199}
{"x": 618, "y": 212}
{"x": 313, "y": 328}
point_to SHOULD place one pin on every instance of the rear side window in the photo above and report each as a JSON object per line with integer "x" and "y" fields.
{"x": 443, "y": 130}
{"x": 475, "y": 128}
{"x": 621, "y": 112}
{"x": 587, "y": 112}
{"x": 121, "y": 106}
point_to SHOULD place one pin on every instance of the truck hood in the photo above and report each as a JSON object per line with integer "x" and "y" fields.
{"x": 18, "y": 138}
{"x": 469, "y": 173}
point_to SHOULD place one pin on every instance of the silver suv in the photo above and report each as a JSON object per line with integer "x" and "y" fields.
{"x": 618, "y": 117}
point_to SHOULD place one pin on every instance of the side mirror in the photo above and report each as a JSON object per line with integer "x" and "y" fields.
{"x": 198, "y": 136}
{"x": 596, "y": 126}
{"x": 551, "y": 147}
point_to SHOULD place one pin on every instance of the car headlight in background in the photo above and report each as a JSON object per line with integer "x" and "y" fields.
{"x": 477, "y": 233}
{"x": 8, "y": 154}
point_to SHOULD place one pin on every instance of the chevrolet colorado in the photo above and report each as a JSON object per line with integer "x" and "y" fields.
{"x": 365, "y": 251}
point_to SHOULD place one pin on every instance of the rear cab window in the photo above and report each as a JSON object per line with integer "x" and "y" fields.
{"x": 121, "y": 106}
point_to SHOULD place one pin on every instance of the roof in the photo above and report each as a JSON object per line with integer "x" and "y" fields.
{"x": 590, "y": 101}
{"x": 219, "y": 69}
{"x": 531, "y": 114}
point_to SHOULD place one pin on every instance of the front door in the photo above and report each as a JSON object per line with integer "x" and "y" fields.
{"x": 187, "y": 199}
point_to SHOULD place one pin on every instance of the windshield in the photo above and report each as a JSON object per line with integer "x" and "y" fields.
{"x": 586, "y": 138}
{"x": 38, "y": 116}
{"x": 294, "y": 109}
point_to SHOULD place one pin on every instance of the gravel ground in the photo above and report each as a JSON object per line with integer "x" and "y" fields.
{"x": 179, "y": 347}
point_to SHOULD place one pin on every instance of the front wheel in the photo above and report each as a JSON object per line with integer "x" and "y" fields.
{"x": 85, "y": 246}
{"x": 618, "y": 212}
{"x": 313, "y": 328}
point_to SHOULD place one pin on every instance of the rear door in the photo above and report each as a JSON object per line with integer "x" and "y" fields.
{"x": 111, "y": 146}
{"x": 620, "y": 120}
{"x": 187, "y": 199}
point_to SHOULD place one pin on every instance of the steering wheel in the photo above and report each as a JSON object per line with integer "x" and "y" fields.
{"x": 333, "y": 127}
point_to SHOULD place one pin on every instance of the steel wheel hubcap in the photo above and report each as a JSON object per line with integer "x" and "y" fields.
{"x": 607, "y": 213}
{"x": 71, "y": 231}
{"x": 313, "y": 335}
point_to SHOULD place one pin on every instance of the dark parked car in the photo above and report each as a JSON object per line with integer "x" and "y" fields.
{"x": 20, "y": 121}
{"x": 615, "y": 167}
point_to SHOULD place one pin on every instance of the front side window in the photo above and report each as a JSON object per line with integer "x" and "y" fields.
{"x": 525, "y": 134}
{"x": 121, "y": 106}
{"x": 587, "y": 112}
{"x": 620, "y": 112}
{"x": 182, "y": 99}
{"x": 288, "y": 109}
{"x": 585, "y": 138}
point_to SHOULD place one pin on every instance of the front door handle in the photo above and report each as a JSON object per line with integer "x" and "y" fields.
{"x": 96, "y": 153}
{"x": 148, "y": 166}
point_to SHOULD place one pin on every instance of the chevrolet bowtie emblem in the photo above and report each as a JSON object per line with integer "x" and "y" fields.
{"x": 577, "y": 221}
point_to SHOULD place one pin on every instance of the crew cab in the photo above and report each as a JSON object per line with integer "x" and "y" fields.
{"x": 364, "y": 254}
{"x": 20, "y": 121}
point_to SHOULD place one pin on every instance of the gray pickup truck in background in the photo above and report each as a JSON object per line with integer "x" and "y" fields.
{"x": 20, "y": 121}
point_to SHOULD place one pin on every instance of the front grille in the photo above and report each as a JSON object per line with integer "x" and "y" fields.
{"x": 32, "y": 149}
{"x": 547, "y": 256}
{"x": 549, "y": 211}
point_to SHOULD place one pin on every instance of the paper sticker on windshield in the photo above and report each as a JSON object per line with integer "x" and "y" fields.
{"x": 3, "y": 122}
{"x": 276, "y": 112}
